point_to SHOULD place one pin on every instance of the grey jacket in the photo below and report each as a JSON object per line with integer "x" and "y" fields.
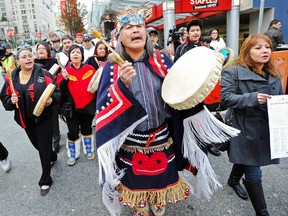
{"x": 252, "y": 146}
{"x": 275, "y": 36}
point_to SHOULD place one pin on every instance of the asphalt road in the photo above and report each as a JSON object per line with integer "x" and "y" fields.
{"x": 75, "y": 190}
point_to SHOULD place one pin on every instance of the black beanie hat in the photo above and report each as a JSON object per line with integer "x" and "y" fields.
{"x": 196, "y": 22}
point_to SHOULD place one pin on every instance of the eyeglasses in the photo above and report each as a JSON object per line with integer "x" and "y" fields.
{"x": 26, "y": 57}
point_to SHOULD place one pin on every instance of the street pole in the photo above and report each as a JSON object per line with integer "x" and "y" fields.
{"x": 233, "y": 20}
{"x": 261, "y": 11}
{"x": 168, "y": 19}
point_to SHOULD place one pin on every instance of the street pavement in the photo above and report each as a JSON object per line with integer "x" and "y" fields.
{"x": 75, "y": 191}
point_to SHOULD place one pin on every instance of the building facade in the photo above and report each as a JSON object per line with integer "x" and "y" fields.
{"x": 30, "y": 19}
{"x": 97, "y": 10}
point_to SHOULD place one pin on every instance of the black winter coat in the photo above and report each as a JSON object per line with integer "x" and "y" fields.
{"x": 252, "y": 146}
{"x": 41, "y": 78}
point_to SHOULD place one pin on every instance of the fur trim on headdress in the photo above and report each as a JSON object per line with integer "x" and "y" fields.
{"x": 129, "y": 15}
{"x": 110, "y": 15}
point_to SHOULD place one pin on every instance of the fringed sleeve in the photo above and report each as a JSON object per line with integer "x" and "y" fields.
{"x": 198, "y": 128}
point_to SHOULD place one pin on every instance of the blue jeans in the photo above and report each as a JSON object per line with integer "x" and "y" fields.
{"x": 252, "y": 173}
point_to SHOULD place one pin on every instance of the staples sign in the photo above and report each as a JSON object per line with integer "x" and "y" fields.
{"x": 188, "y": 6}
{"x": 203, "y": 4}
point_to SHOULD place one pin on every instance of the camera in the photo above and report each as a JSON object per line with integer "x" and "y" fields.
{"x": 175, "y": 36}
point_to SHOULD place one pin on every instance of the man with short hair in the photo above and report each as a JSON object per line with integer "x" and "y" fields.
{"x": 67, "y": 42}
{"x": 79, "y": 39}
{"x": 88, "y": 47}
{"x": 153, "y": 33}
{"x": 275, "y": 34}
{"x": 194, "y": 28}
{"x": 183, "y": 34}
{"x": 57, "y": 48}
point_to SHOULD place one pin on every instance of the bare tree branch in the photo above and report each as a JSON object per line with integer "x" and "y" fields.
{"x": 73, "y": 16}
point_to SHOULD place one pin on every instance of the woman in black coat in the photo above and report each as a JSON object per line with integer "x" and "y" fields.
{"x": 256, "y": 80}
{"x": 47, "y": 61}
{"x": 30, "y": 81}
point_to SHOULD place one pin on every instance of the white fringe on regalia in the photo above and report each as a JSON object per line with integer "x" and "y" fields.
{"x": 199, "y": 129}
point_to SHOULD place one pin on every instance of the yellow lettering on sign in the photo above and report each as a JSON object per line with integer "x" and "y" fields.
{"x": 87, "y": 74}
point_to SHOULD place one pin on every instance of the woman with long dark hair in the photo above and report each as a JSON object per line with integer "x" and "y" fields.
{"x": 99, "y": 57}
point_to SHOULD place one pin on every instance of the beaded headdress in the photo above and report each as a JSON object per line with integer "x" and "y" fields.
{"x": 134, "y": 16}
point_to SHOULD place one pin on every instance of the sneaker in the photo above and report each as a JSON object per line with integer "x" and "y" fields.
{"x": 6, "y": 165}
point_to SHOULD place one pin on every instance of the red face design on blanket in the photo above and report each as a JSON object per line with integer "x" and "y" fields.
{"x": 156, "y": 164}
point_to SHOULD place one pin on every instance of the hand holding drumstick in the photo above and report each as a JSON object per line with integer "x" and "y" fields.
{"x": 126, "y": 73}
{"x": 14, "y": 97}
{"x": 63, "y": 70}
{"x": 114, "y": 57}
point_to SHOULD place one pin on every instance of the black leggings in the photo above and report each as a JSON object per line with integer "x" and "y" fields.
{"x": 40, "y": 135}
{"x": 3, "y": 152}
{"x": 80, "y": 122}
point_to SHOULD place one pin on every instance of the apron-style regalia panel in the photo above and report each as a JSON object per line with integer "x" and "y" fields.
{"x": 146, "y": 158}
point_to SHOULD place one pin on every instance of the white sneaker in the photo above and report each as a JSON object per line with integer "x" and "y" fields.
{"x": 6, "y": 165}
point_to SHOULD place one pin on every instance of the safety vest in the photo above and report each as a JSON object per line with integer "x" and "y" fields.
{"x": 8, "y": 63}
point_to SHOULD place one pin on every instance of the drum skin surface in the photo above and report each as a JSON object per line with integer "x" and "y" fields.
{"x": 94, "y": 82}
{"x": 43, "y": 99}
{"x": 192, "y": 78}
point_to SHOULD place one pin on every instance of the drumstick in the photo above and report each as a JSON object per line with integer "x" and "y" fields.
{"x": 8, "y": 71}
{"x": 117, "y": 57}
{"x": 59, "y": 63}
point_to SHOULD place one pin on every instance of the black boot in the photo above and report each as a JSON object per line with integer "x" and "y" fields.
{"x": 234, "y": 178}
{"x": 212, "y": 150}
{"x": 256, "y": 196}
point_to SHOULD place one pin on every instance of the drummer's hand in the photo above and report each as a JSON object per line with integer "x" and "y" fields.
{"x": 126, "y": 73}
{"x": 262, "y": 98}
{"x": 14, "y": 98}
{"x": 49, "y": 101}
{"x": 64, "y": 74}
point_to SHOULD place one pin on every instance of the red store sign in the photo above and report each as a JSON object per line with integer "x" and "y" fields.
{"x": 188, "y": 6}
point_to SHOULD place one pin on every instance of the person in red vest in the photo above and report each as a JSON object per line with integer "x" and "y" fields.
{"x": 73, "y": 82}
